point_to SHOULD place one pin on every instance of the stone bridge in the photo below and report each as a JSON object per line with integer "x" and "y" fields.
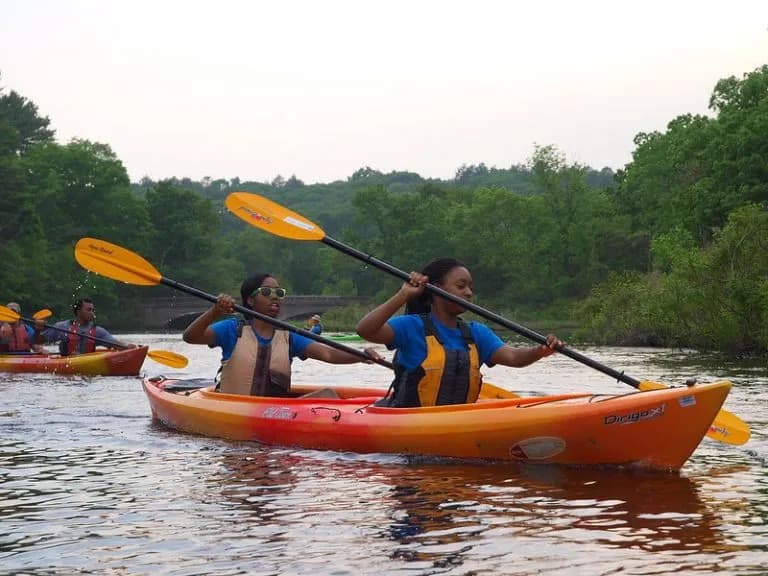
{"x": 177, "y": 312}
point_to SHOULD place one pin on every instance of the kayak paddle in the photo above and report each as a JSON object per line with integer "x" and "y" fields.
{"x": 121, "y": 264}
{"x": 280, "y": 221}
{"x": 166, "y": 357}
{"x": 43, "y": 314}
{"x": 118, "y": 263}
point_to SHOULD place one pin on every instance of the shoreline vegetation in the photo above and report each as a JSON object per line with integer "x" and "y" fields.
{"x": 669, "y": 251}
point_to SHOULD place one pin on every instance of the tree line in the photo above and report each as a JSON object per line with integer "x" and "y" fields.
{"x": 670, "y": 250}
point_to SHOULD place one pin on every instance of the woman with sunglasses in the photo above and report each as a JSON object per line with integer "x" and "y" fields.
{"x": 255, "y": 356}
{"x": 438, "y": 356}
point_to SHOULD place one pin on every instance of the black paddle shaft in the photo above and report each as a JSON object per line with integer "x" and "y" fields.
{"x": 97, "y": 340}
{"x": 522, "y": 330}
{"x": 275, "y": 322}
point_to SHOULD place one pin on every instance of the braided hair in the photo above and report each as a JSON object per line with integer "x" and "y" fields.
{"x": 436, "y": 271}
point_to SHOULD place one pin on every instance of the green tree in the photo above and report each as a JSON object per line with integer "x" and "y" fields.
{"x": 24, "y": 248}
{"x": 712, "y": 298}
{"x": 701, "y": 168}
{"x": 22, "y": 126}
{"x": 82, "y": 190}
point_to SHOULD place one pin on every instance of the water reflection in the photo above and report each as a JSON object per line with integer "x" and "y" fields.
{"x": 254, "y": 479}
{"x": 440, "y": 514}
{"x": 89, "y": 485}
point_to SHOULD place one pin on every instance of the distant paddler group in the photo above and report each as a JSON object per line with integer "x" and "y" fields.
{"x": 23, "y": 339}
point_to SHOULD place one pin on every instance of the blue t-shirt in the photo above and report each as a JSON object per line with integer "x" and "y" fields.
{"x": 30, "y": 332}
{"x": 412, "y": 347}
{"x": 226, "y": 337}
{"x": 317, "y": 329}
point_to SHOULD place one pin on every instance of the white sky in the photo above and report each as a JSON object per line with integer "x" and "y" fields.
{"x": 320, "y": 88}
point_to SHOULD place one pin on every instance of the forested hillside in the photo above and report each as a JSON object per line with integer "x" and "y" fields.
{"x": 670, "y": 250}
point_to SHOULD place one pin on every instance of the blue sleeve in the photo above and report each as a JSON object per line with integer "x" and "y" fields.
{"x": 30, "y": 332}
{"x": 409, "y": 340}
{"x": 487, "y": 341}
{"x": 226, "y": 336}
{"x": 53, "y": 335}
{"x": 298, "y": 344}
{"x": 103, "y": 334}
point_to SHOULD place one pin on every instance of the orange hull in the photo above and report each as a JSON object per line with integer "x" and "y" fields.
{"x": 100, "y": 363}
{"x": 656, "y": 429}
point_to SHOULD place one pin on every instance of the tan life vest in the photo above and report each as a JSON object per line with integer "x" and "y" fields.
{"x": 256, "y": 369}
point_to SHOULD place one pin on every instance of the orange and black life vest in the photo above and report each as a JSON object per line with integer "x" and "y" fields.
{"x": 444, "y": 377}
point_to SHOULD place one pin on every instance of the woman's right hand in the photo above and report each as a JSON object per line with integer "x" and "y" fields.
{"x": 415, "y": 284}
{"x": 225, "y": 304}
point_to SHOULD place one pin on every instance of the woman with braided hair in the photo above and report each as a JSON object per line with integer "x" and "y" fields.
{"x": 438, "y": 355}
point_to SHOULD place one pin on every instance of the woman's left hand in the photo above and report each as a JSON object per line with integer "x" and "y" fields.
{"x": 553, "y": 342}
{"x": 373, "y": 354}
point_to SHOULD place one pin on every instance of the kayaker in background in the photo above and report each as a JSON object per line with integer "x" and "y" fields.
{"x": 77, "y": 336}
{"x": 438, "y": 355}
{"x": 255, "y": 356}
{"x": 17, "y": 336}
{"x": 314, "y": 325}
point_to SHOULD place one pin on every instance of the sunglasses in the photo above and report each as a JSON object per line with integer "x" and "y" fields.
{"x": 267, "y": 292}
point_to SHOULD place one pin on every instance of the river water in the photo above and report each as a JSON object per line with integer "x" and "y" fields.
{"x": 90, "y": 485}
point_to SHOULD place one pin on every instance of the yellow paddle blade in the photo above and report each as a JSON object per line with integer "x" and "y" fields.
{"x": 168, "y": 358}
{"x": 43, "y": 314}
{"x": 648, "y": 385}
{"x": 727, "y": 427}
{"x": 115, "y": 262}
{"x": 492, "y": 392}
{"x": 8, "y": 315}
{"x": 272, "y": 217}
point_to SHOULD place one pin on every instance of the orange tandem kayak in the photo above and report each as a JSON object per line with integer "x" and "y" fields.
{"x": 100, "y": 363}
{"x": 657, "y": 429}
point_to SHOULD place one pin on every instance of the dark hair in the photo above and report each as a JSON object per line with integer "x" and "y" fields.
{"x": 77, "y": 304}
{"x": 250, "y": 284}
{"x": 436, "y": 271}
